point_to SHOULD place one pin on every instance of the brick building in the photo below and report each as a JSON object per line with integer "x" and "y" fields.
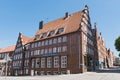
{"x": 19, "y": 52}
{"x": 66, "y": 45}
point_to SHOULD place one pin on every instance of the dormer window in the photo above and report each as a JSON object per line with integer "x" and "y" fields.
{"x": 60, "y": 30}
{"x": 44, "y": 35}
{"x": 37, "y": 37}
{"x": 52, "y": 33}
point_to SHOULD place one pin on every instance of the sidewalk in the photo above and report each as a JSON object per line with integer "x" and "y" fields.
{"x": 106, "y": 74}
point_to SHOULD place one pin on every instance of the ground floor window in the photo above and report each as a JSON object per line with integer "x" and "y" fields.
{"x": 56, "y": 62}
{"x": 63, "y": 61}
{"x": 42, "y": 62}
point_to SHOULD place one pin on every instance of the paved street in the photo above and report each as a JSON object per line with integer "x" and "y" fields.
{"x": 106, "y": 74}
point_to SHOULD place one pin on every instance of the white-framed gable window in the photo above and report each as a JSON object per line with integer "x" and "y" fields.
{"x": 44, "y": 35}
{"x": 52, "y": 33}
{"x": 37, "y": 37}
{"x": 60, "y": 31}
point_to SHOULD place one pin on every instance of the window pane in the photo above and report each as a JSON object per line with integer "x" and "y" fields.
{"x": 60, "y": 30}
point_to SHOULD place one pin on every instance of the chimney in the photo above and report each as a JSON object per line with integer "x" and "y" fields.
{"x": 66, "y": 15}
{"x": 40, "y": 25}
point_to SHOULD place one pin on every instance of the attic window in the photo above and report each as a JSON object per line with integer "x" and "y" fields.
{"x": 60, "y": 30}
{"x": 44, "y": 35}
{"x": 52, "y": 33}
{"x": 37, "y": 37}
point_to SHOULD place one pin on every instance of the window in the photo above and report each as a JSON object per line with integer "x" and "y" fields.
{"x": 64, "y": 38}
{"x": 26, "y": 63}
{"x": 50, "y": 50}
{"x": 42, "y": 62}
{"x": 39, "y": 52}
{"x": 32, "y": 45}
{"x": 26, "y": 71}
{"x": 59, "y": 49}
{"x": 54, "y": 40}
{"x": 60, "y": 30}
{"x": 33, "y": 61}
{"x": 44, "y": 35}
{"x": 39, "y": 44}
{"x": 36, "y": 45}
{"x": 49, "y": 62}
{"x": 37, "y": 62}
{"x": 59, "y": 40}
{"x": 64, "y": 48}
{"x": 35, "y": 52}
{"x": 50, "y": 41}
{"x": 37, "y": 37}
{"x": 46, "y": 42}
{"x": 54, "y": 50}
{"x": 56, "y": 62}
{"x": 52, "y": 33}
{"x": 63, "y": 61}
{"x": 42, "y": 51}
{"x": 42, "y": 43}
{"x": 32, "y": 53}
{"x": 46, "y": 51}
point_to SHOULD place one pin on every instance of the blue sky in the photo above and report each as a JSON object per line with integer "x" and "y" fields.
{"x": 24, "y": 16}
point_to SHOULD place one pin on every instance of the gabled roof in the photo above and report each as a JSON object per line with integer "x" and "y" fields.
{"x": 25, "y": 39}
{"x": 70, "y": 24}
{"x": 0, "y": 50}
{"x": 8, "y": 49}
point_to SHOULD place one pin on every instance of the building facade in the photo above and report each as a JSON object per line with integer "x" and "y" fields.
{"x": 68, "y": 45}
{"x": 6, "y": 56}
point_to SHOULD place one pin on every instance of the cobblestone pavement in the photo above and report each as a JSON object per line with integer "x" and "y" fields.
{"x": 106, "y": 74}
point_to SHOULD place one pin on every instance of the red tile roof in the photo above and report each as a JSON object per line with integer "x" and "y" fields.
{"x": 8, "y": 49}
{"x": 25, "y": 39}
{"x": 70, "y": 24}
{"x": 0, "y": 50}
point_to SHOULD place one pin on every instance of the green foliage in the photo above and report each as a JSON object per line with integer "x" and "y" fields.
{"x": 119, "y": 55}
{"x": 117, "y": 43}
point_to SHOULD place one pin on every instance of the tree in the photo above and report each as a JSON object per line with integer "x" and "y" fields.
{"x": 117, "y": 44}
{"x": 119, "y": 55}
